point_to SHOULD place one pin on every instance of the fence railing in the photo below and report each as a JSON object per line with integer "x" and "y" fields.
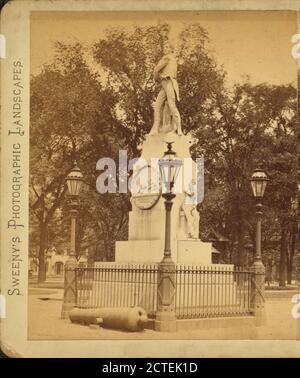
{"x": 211, "y": 291}
{"x": 118, "y": 285}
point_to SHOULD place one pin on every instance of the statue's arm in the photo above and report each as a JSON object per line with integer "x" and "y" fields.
{"x": 160, "y": 65}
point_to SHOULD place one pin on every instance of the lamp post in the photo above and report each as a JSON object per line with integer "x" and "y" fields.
{"x": 169, "y": 167}
{"x": 298, "y": 247}
{"x": 298, "y": 233}
{"x": 74, "y": 182}
{"x": 166, "y": 292}
{"x": 259, "y": 182}
{"x": 295, "y": 226}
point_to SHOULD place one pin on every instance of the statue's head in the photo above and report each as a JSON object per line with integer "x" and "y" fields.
{"x": 168, "y": 47}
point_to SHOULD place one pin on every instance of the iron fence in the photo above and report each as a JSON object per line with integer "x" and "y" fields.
{"x": 212, "y": 291}
{"x": 117, "y": 285}
{"x": 201, "y": 292}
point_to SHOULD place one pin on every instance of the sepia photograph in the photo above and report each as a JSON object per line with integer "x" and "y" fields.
{"x": 117, "y": 100}
{"x": 150, "y": 183}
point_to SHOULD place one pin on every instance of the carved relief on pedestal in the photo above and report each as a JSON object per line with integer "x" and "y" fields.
{"x": 146, "y": 187}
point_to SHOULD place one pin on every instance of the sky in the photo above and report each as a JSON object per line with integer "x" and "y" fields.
{"x": 255, "y": 44}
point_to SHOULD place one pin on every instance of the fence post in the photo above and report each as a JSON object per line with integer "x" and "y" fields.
{"x": 258, "y": 292}
{"x": 70, "y": 286}
{"x": 165, "y": 320}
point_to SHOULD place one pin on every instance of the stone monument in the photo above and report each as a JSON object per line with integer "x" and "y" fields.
{"x": 147, "y": 217}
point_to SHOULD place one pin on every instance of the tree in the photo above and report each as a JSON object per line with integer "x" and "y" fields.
{"x": 62, "y": 115}
{"x": 242, "y": 133}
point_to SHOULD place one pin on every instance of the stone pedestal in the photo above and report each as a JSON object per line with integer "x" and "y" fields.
{"x": 154, "y": 146}
{"x": 189, "y": 251}
{"x": 193, "y": 252}
{"x": 146, "y": 232}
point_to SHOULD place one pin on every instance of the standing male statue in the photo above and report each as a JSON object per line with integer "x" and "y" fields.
{"x": 166, "y": 73}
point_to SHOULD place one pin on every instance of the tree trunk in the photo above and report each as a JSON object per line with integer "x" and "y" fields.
{"x": 289, "y": 269}
{"x": 230, "y": 253}
{"x": 241, "y": 244}
{"x": 106, "y": 255}
{"x": 110, "y": 250}
{"x": 42, "y": 249}
{"x": 290, "y": 255}
{"x": 282, "y": 262}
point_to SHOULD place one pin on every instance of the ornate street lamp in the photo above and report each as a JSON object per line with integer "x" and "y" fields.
{"x": 295, "y": 228}
{"x": 298, "y": 233}
{"x": 170, "y": 166}
{"x": 259, "y": 182}
{"x": 74, "y": 183}
{"x": 166, "y": 291}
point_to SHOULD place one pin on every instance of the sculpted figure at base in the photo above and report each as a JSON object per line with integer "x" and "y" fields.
{"x": 190, "y": 211}
{"x": 166, "y": 73}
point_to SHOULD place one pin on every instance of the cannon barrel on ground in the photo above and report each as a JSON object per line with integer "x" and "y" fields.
{"x": 126, "y": 318}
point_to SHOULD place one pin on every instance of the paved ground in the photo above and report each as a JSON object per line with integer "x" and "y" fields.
{"x": 44, "y": 323}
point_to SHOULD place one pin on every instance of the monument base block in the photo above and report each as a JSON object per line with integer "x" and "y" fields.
{"x": 188, "y": 251}
{"x": 194, "y": 251}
